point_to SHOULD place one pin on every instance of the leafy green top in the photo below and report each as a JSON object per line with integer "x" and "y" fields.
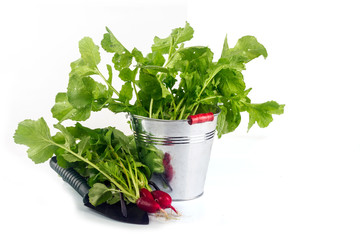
{"x": 106, "y": 157}
{"x": 172, "y": 82}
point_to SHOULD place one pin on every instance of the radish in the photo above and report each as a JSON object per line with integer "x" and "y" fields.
{"x": 146, "y": 193}
{"x": 163, "y": 199}
{"x": 154, "y": 201}
{"x": 149, "y": 205}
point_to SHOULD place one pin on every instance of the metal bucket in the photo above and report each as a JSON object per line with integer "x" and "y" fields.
{"x": 178, "y": 153}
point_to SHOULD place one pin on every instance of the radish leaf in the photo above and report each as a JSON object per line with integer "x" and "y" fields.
{"x": 99, "y": 194}
{"x": 36, "y": 135}
{"x": 262, "y": 113}
{"x": 89, "y": 52}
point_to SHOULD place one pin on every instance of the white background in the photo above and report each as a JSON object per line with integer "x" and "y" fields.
{"x": 297, "y": 179}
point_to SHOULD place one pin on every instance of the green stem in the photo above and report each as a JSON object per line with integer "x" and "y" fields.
{"x": 97, "y": 168}
{"x": 171, "y": 53}
{"x": 133, "y": 179}
{"x": 178, "y": 107}
{"x": 207, "y": 81}
{"x": 151, "y": 106}
{"x": 208, "y": 98}
{"x": 182, "y": 113}
{"x": 196, "y": 104}
{"x": 196, "y": 108}
{"x": 122, "y": 165}
{"x": 106, "y": 81}
{"x": 158, "y": 111}
{"x": 162, "y": 114}
{"x": 134, "y": 87}
{"x": 171, "y": 49}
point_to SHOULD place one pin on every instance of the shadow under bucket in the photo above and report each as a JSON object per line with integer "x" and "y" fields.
{"x": 178, "y": 153}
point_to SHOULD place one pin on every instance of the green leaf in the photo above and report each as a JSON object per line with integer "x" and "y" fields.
{"x": 225, "y": 47}
{"x": 114, "y": 199}
{"x": 246, "y": 49}
{"x": 151, "y": 86}
{"x": 122, "y": 57}
{"x": 229, "y": 117}
{"x": 36, "y": 135}
{"x": 262, "y": 113}
{"x": 63, "y": 110}
{"x": 169, "y": 81}
{"x": 70, "y": 157}
{"x": 58, "y": 138}
{"x": 126, "y": 92}
{"x": 112, "y": 168}
{"x": 191, "y": 82}
{"x": 99, "y": 91}
{"x": 232, "y": 60}
{"x": 178, "y": 35}
{"x": 109, "y": 80}
{"x": 80, "y": 95}
{"x": 99, "y": 194}
{"x": 81, "y": 132}
{"x": 86, "y": 95}
{"x": 96, "y": 178}
{"x": 127, "y": 75}
{"x": 111, "y": 44}
{"x": 122, "y": 139}
{"x": 161, "y": 45}
{"x": 108, "y": 135}
{"x": 118, "y": 107}
{"x": 153, "y": 69}
{"x": 80, "y": 68}
{"x": 221, "y": 126}
{"x": 89, "y": 52}
{"x": 69, "y": 139}
{"x": 155, "y": 58}
{"x": 60, "y": 160}
{"x": 138, "y": 55}
{"x": 83, "y": 144}
{"x": 192, "y": 59}
{"x": 250, "y": 48}
{"x": 70, "y": 143}
{"x": 230, "y": 82}
{"x": 144, "y": 169}
{"x": 183, "y": 34}
{"x": 121, "y": 61}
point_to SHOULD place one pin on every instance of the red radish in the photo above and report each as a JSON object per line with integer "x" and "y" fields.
{"x": 200, "y": 118}
{"x": 146, "y": 193}
{"x": 163, "y": 199}
{"x": 149, "y": 205}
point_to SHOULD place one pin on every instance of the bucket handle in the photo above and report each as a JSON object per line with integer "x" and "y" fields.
{"x": 200, "y": 118}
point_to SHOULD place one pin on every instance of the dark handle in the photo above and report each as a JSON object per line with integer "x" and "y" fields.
{"x": 72, "y": 177}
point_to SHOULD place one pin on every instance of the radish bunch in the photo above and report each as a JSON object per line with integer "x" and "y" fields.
{"x": 155, "y": 201}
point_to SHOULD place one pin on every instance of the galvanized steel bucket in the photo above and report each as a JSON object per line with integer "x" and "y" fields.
{"x": 177, "y": 151}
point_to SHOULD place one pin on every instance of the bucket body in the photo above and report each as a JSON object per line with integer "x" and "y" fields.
{"x": 178, "y": 153}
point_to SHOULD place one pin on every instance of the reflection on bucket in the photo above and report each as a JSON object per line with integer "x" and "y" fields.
{"x": 177, "y": 153}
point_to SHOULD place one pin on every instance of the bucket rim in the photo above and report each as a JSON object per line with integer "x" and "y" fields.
{"x": 165, "y": 120}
